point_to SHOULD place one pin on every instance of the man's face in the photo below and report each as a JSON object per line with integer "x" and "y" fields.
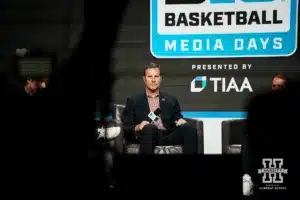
{"x": 278, "y": 83}
{"x": 152, "y": 78}
{"x": 33, "y": 85}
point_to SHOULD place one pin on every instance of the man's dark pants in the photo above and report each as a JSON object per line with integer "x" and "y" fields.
{"x": 184, "y": 135}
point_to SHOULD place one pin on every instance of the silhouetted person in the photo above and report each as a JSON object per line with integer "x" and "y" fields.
{"x": 273, "y": 133}
{"x": 46, "y": 139}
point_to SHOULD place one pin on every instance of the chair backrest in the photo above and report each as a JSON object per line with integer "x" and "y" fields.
{"x": 117, "y": 111}
{"x": 232, "y": 133}
{"x": 198, "y": 124}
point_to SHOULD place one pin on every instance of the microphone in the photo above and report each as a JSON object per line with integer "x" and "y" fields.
{"x": 154, "y": 115}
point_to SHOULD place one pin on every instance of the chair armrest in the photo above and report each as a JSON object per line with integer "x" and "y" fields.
{"x": 198, "y": 124}
{"x": 192, "y": 121}
{"x": 111, "y": 132}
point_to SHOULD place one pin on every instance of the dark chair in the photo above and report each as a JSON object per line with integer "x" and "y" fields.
{"x": 132, "y": 147}
{"x": 111, "y": 138}
{"x": 232, "y": 136}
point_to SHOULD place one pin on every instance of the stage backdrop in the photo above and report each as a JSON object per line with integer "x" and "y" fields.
{"x": 236, "y": 46}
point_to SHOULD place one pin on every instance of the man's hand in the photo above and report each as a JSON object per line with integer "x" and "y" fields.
{"x": 180, "y": 122}
{"x": 140, "y": 126}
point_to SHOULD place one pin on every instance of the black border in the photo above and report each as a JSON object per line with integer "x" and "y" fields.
{"x": 200, "y": 175}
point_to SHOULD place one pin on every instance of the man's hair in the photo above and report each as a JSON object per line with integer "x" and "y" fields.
{"x": 281, "y": 76}
{"x": 151, "y": 65}
{"x": 32, "y": 78}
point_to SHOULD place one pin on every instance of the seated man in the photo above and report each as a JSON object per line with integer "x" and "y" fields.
{"x": 167, "y": 127}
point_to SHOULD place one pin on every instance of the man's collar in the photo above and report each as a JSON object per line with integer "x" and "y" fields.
{"x": 152, "y": 95}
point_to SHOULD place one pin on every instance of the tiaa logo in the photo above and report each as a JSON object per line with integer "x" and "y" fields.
{"x": 223, "y": 28}
{"x": 220, "y": 84}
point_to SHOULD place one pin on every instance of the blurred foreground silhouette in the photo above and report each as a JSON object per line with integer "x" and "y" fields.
{"x": 273, "y": 133}
{"x": 45, "y": 139}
